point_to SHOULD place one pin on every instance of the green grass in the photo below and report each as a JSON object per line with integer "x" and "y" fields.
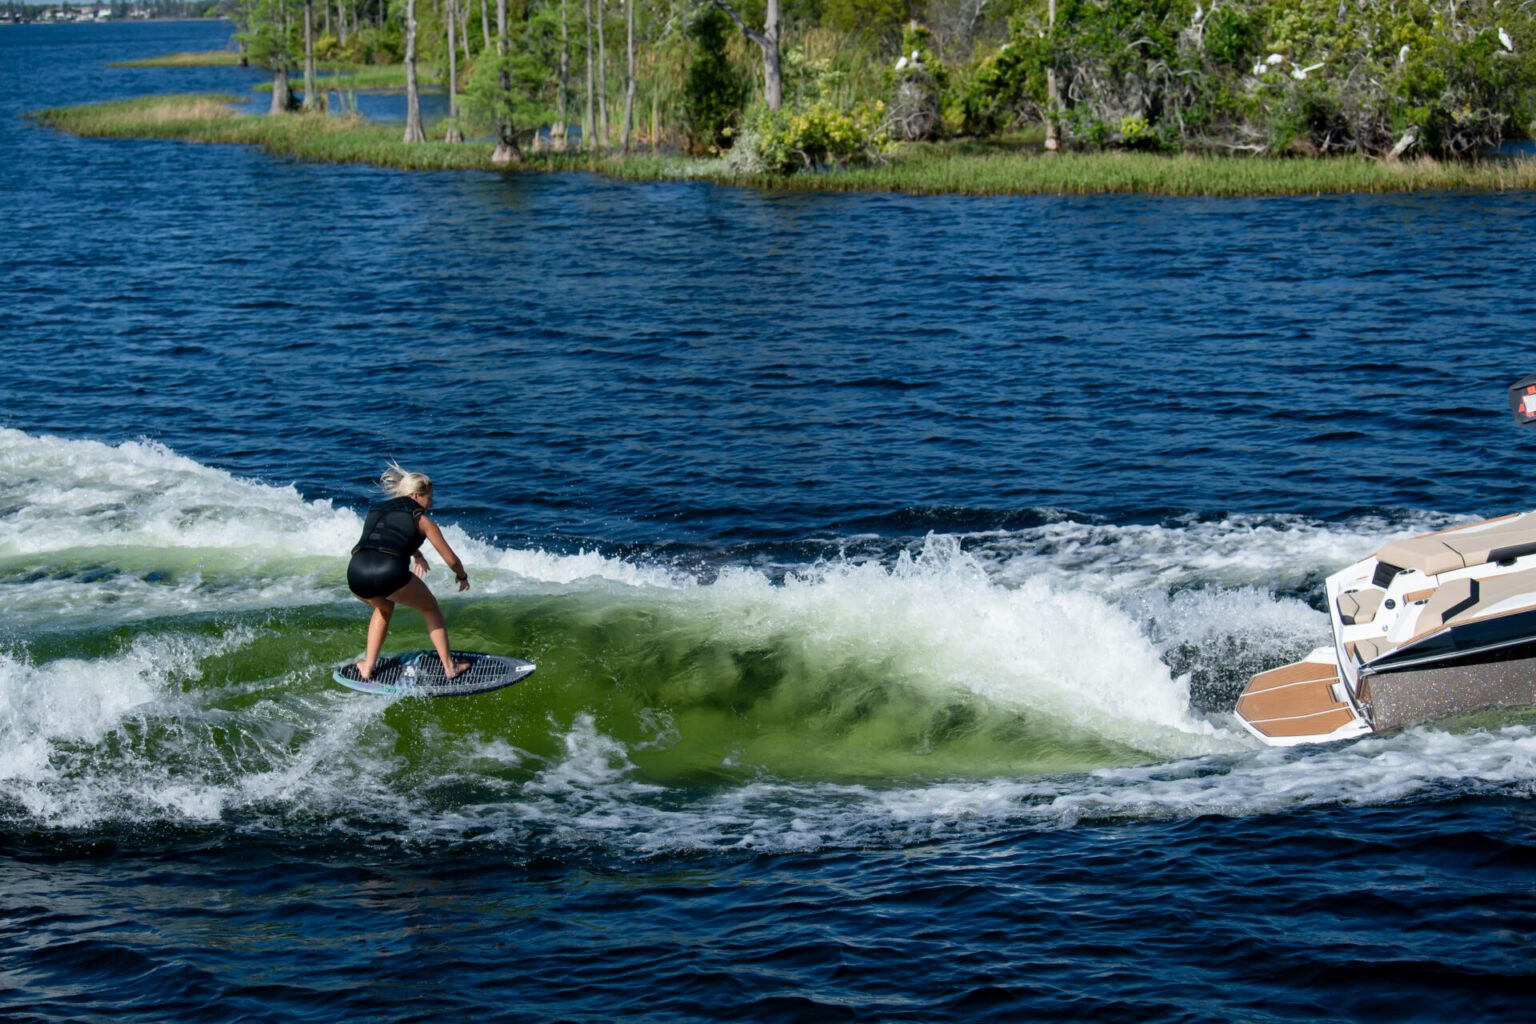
{"x": 990, "y": 167}
{"x": 314, "y": 137}
{"x": 363, "y": 77}
{"x": 195, "y": 59}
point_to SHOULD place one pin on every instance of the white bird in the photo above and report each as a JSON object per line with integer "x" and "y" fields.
{"x": 1260, "y": 68}
{"x": 1199, "y": 13}
{"x": 1508, "y": 43}
{"x": 1300, "y": 74}
{"x": 1402, "y": 54}
{"x": 1275, "y": 58}
{"x": 901, "y": 63}
{"x": 916, "y": 56}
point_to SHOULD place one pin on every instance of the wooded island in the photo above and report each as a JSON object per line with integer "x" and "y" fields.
{"x": 1345, "y": 96}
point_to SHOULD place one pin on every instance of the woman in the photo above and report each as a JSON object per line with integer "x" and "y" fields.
{"x": 380, "y": 570}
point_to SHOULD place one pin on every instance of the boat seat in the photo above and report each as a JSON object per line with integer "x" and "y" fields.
{"x": 1358, "y": 607}
{"x": 1463, "y": 547}
{"x": 1486, "y": 593}
{"x": 1371, "y": 648}
{"x": 1447, "y": 602}
{"x": 1457, "y": 600}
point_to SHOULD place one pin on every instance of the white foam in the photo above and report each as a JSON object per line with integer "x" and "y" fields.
{"x": 589, "y": 796}
{"x": 145, "y": 509}
{"x": 74, "y": 494}
{"x": 1276, "y": 552}
{"x": 55, "y": 716}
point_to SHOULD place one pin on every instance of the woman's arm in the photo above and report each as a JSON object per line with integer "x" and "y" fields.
{"x": 433, "y": 534}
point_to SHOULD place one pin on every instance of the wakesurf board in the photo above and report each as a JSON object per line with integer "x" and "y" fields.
{"x": 420, "y": 674}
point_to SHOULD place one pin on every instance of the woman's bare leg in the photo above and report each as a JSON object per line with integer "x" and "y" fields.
{"x": 415, "y": 594}
{"x": 378, "y": 629}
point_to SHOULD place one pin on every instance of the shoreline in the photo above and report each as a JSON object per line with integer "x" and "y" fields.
{"x": 958, "y": 167}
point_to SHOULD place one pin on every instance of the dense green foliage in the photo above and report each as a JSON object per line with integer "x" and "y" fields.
{"x": 972, "y": 167}
{"x": 1398, "y": 78}
{"x": 519, "y": 90}
{"x": 1324, "y": 76}
{"x": 715, "y": 91}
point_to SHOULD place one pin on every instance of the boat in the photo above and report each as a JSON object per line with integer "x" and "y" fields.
{"x": 1428, "y": 626}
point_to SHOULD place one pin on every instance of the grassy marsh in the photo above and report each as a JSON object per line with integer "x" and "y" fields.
{"x": 191, "y": 59}
{"x": 959, "y": 167}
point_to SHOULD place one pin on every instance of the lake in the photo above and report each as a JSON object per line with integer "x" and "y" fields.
{"x": 892, "y": 565}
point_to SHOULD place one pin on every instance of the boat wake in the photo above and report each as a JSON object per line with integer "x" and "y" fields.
{"x": 164, "y": 643}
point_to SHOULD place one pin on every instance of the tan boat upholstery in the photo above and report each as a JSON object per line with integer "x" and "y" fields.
{"x": 1452, "y": 598}
{"x": 1295, "y": 700}
{"x": 1358, "y": 607}
{"x": 1370, "y": 649}
{"x": 1460, "y": 549}
{"x": 1455, "y": 602}
{"x": 1486, "y": 594}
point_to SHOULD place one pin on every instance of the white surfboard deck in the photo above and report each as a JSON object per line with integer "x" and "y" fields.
{"x": 420, "y": 674}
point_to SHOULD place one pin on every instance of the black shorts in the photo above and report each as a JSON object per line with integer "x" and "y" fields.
{"x": 377, "y": 573}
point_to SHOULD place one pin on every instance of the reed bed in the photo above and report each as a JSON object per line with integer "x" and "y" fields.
{"x": 967, "y": 168}
{"x": 191, "y": 59}
{"x": 313, "y": 137}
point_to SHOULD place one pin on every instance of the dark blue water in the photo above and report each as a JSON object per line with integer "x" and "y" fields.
{"x": 892, "y": 565}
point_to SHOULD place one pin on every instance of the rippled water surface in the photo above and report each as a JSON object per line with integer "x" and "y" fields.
{"x": 892, "y": 565}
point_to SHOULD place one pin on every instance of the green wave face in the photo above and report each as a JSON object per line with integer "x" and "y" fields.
{"x": 689, "y": 696}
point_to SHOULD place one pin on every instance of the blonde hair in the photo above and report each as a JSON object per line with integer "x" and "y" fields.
{"x": 403, "y": 484}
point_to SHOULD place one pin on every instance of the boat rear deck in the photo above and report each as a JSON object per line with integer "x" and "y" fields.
{"x": 1296, "y": 702}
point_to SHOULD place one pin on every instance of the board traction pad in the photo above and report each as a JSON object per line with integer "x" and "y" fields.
{"x": 420, "y": 674}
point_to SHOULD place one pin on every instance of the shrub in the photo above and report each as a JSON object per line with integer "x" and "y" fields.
{"x": 327, "y": 47}
{"x": 815, "y": 137}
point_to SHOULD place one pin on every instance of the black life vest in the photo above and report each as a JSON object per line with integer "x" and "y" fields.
{"x": 392, "y": 527}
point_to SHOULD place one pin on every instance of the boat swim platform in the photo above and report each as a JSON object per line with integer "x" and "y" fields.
{"x": 1303, "y": 702}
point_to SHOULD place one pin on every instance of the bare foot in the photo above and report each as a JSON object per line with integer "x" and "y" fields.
{"x": 459, "y": 668}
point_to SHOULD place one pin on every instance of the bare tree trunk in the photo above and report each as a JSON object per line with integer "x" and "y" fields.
{"x": 589, "y": 126}
{"x": 773, "y": 76}
{"x": 602, "y": 82}
{"x": 311, "y": 101}
{"x": 453, "y": 134}
{"x": 282, "y": 91}
{"x": 506, "y": 138}
{"x": 282, "y": 95}
{"x": 655, "y": 120}
{"x": 565, "y": 81}
{"x": 629, "y": 75}
{"x": 464, "y": 30}
{"x": 413, "y": 132}
{"x": 768, "y": 41}
{"x": 1052, "y": 97}
{"x": 325, "y": 9}
{"x": 485, "y": 26}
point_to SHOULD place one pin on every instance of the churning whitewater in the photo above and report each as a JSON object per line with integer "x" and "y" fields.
{"x": 167, "y": 627}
